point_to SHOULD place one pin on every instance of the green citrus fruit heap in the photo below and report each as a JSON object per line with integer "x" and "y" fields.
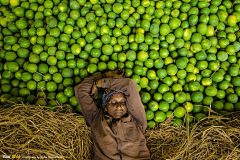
{"x": 183, "y": 55}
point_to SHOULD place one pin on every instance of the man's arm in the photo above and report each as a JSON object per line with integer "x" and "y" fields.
{"x": 129, "y": 88}
{"x": 83, "y": 96}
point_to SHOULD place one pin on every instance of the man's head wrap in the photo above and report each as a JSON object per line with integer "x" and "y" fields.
{"x": 107, "y": 95}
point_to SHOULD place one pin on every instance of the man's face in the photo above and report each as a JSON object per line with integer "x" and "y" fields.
{"x": 116, "y": 106}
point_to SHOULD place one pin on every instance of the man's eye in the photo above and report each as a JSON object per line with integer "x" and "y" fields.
{"x": 123, "y": 102}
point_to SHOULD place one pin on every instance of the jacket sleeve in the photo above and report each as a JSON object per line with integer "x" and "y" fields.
{"x": 133, "y": 100}
{"x": 84, "y": 99}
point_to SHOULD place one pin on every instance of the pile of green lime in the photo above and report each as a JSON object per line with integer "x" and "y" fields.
{"x": 184, "y": 55}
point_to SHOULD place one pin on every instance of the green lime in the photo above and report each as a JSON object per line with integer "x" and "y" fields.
{"x": 92, "y": 68}
{"x": 112, "y": 65}
{"x": 159, "y": 116}
{"x": 169, "y": 114}
{"x": 232, "y": 98}
{"x": 21, "y": 23}
{"x": 177, "y": 87}
{"x": 174, "y": 23}
{"x": 117, "y": 8}
{"x": 237, "y": 106}
{"x": 164, "y": 29}
{"x": 217, "y": 77}
{"x": 228, "y": 107}
{"x": 24, "y": 92}
{"x": 197, "y": 96}
{"x": 107, "y": 49}
{"x": 217, "y": 105}
{"x": 199, "y": 116}
{"x": 149, "y": 114}
{"x": 179, "y": 112}
{"x": 143, "y": 82}
{"x": 211, "y": 91}
{"x": 172, "y": 69}
{"x": 61, "y": 97}
{"x": 168, "y": 96}
{"x": 69, "y": 91}
{"x": 163, "y": 106}
{"x": 138, "y": 70}
{"x": 145, "y": 97}
{"x": 221, "y": 94}
{"x": 232, "y": 20}
{"x": 151, "y": 124}
{"x": 154, "y": 84}
{"x": 12, "y": 66}
{"x": 151, "y": 74}
{"x": 102, "y": 66}
{"x": 157, "y": 96}
{"x": 153, "y": 105}
{"x": 236, "y": 81}
{"x": 180, "y": 97}
{"x": 177, "y": 122}
{"x": 159, "y": 63}
{"x": 163, "y": 88}
{"x": 188, "y": 106}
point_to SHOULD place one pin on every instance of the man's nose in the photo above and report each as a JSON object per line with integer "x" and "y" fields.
{"x": 119, "y": 106}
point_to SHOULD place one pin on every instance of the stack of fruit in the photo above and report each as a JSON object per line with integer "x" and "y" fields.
{"x": 183, "y": 55}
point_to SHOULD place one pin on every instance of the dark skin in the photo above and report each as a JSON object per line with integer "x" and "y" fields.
{"x": 110, "y": 74}
{"x": 116, "y": 106}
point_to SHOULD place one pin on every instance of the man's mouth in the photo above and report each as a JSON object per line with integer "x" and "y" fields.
{"x": 118, "y": 112}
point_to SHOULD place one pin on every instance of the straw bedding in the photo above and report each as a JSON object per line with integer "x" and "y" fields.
{"x": 216, "y": 138}
{"x": 28, "y": 130}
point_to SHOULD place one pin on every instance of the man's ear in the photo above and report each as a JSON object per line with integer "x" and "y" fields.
{"x": 105, "y": 108}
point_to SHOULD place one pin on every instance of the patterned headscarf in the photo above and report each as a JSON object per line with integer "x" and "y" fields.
{"x": 107, "y": 95}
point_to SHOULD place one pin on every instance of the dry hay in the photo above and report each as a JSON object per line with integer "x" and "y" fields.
{"x": 214, "y": 137}
{"x": 164, "y": 140}
{"x": 29, "y": 130}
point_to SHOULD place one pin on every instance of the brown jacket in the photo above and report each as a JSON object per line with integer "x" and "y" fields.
{"x": 117, "y": 140}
